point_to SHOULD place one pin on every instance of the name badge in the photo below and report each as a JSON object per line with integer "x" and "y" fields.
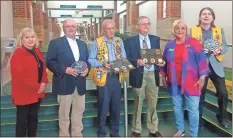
{"x": 171, "y": 50}
{"x": 99, "y": 74}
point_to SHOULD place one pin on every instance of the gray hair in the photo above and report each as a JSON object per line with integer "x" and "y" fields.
{"x": 106, "y": 21}
{"x": 140, "y": 18}
{"x": 68, "y": 20}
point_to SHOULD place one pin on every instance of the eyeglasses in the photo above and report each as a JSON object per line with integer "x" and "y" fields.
{"x": 70, "y": 26}
{"x": 146, "y": 24}
{"x": 181, "y": 29}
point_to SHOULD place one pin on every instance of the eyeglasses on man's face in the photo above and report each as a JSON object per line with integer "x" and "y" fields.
{"x": 146, "y": 24}
{"x": 70, "y": 26}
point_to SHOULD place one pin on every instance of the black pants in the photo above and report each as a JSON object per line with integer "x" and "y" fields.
{"x": 27, "y": 120}
{"x": 221, "y": 92}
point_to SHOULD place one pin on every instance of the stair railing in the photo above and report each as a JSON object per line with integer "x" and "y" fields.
{"x": 126, "y": 109}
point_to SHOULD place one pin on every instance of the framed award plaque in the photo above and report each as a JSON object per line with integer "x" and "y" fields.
{"x": 151, "y": 56}
{"x": 121, "y": 65}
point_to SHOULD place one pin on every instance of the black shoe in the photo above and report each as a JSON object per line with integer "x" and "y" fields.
{"x": 224, "y": 123}
{"x": 201, "y": 128}
{"x": 134, "y": 134}
{"x": 116, "y": 135}
{"x": 156, "y": 134}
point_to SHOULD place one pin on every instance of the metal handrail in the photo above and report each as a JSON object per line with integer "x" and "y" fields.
{"x": 126, "y": 108}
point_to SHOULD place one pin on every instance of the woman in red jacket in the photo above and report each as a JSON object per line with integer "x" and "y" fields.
{"x": 29, "y": 81}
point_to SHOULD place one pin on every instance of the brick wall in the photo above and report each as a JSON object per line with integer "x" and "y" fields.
{"x": 132, "y": 11}
{"x": 117, "y": 22}
{"x": 21, "y": 15}
{"x": 164, "y": 25}
{"x": 173, "y": 9}
{"x": 46, "y": 31}
{"x": 159, "y": 10}
{"x": 96, "y": 30}
{"x": 92, "y": 30}
{"x": 89, "y": 31}
{"x": 100, "y": 26}
{"x": 38, "y": 21}
{"x": 50, "y": 30}
{"x": 55, "y": 28}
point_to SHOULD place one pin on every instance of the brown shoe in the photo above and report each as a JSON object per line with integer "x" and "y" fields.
{"x": 156, "y": 134}
{"x": 134, "y": 134}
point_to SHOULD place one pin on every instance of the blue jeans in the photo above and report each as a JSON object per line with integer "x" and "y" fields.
{"x": 192, "y": 105}
{"x": 109, "y": 100}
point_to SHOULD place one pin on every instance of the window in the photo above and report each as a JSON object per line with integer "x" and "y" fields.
{"x": 108, "y": 12}
{"x": 124, "y": 23}
{"x": 123, "y": 2}
{"x": 164, "y": 8}
{"x": 42, "y": 7}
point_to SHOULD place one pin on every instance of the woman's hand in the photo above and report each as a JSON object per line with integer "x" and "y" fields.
{"x": 42, "y": 87}
{"x": 164, "y": 81}
{"x": 200, "y": 82}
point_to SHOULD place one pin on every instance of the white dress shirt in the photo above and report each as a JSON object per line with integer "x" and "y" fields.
{"x": 74, "y": 47}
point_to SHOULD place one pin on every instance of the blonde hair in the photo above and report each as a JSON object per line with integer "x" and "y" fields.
{"x": 22, "y": 33}
{"x": 106, "y": 21}
{"x": 174, "y": 24}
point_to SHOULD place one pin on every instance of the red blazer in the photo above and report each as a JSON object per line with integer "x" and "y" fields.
{"x": 24, "y": 74}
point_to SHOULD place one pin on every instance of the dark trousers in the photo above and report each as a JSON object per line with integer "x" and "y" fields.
{"x": 221, "y": 92}
{"x": 109, "y": 100}
{"x": 27, "y": 120}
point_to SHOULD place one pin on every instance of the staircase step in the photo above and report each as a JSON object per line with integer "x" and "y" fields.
{"x": 90, "y": 131}
{"x": 212, "y": 104}
{"x": 214, "y": 94}
{"x": 53, "y": 124}
{"x": 212, "y": 123}
{"x": 48, "y": 106}
{"x": 52, "y": 113}
{"x": 6, "y": 101}
{"x": 211, "y": 99}
{"x": 89, "y": 119}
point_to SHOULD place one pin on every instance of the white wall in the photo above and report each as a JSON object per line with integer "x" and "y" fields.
{"x": 79, "y": 20}
{"x": 6, "y": 19}
{"x": 57, "y": 13}
{"x": 149, "y": 9}
{"x": 138, "y": 1}
{"x": 121, "y": 21}
{"x": 120, "y": 7}
{"x": 81, "y": 4}
{"x": 222, "y": 9}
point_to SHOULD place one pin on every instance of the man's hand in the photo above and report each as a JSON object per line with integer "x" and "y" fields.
{"x": 42, "y": 87}
{"x": 83, "y": 74}
{"x": 217, "y": 51}
{"x": 140, "y": 62}
{"x": 106, "y": 65}
{"x": 125, "y": 71}
{"x": 71, "y": 71}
